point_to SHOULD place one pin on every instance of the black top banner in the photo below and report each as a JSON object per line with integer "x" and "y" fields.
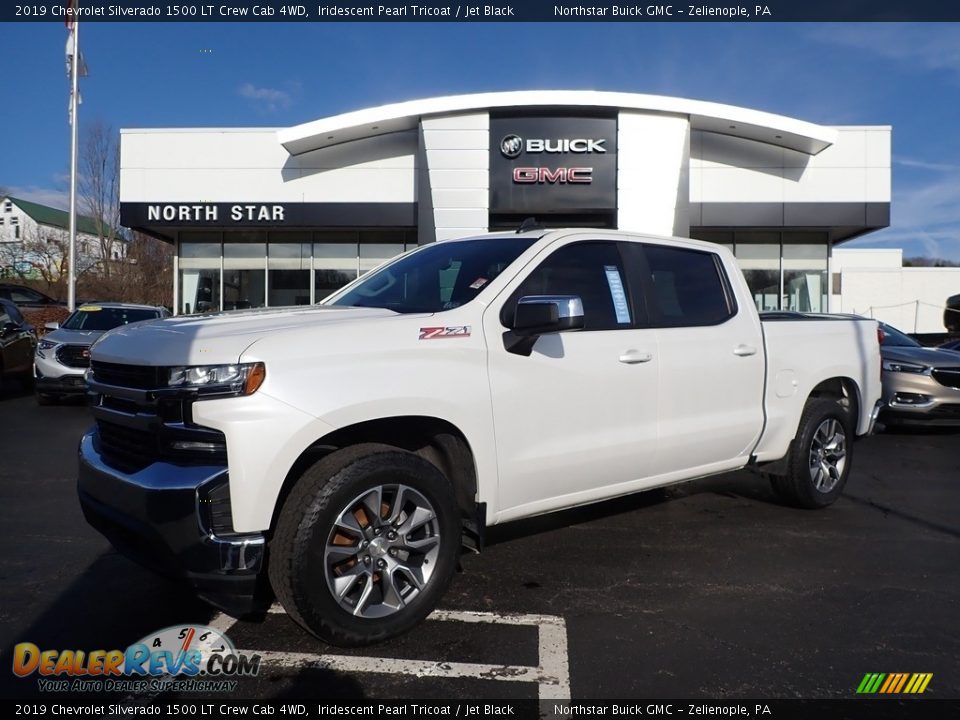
{"x": 496, "y": 11}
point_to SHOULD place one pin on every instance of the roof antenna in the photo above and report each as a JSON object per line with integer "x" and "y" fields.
{"x": 529, "y": 224}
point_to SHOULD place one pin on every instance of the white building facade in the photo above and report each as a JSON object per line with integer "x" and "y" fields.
{"x": 268, "y": 216}
{"x": 875, "y": 284}
{"x": 35, "y": 238}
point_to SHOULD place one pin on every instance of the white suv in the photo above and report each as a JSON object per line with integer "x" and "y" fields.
{"x": 63, "y": 355}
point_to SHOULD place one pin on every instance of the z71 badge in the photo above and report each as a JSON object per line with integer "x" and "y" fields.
{"x": 454, "y": 331}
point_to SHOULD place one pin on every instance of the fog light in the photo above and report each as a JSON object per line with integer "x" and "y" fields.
{"x": 910, "y": 398}
{"x": 195, "y": 446}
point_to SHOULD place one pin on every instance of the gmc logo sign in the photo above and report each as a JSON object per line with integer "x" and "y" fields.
{"x": 550, "y": 176}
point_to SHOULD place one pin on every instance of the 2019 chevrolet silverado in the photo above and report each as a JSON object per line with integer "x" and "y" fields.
{"x": 347, "y": 452}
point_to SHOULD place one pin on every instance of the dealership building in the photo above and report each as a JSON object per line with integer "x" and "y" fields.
{"x": 281, "y": 216}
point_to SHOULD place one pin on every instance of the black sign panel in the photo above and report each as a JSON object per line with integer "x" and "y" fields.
{"x": 267, "y": 214}
{"x": 544, "y": 164}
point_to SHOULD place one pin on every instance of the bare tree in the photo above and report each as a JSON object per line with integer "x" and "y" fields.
{"x": 99, "y": 188}
{"x": 40, "y": 258}
{"x": 146, "y": 275}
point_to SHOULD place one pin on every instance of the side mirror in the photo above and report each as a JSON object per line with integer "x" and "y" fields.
{"x": 538, "y": 315}
{"x": 52, "y": 325}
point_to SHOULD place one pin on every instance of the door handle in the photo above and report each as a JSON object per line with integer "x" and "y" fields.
{"x": 744, "y": 350}
{"x": 633, "y": 357}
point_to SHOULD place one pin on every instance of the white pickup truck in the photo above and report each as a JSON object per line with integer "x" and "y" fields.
{"x": 346, "y": 453}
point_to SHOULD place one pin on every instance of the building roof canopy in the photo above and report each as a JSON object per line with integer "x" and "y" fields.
{"x": 708, "y": 116}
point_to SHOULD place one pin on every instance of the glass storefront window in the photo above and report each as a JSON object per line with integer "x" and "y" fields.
{"x": 244, "y": 270}
{"x": 199, "y": 290}
{"x": 804, "y": 272}
{"x": 288, "y": 263}
{"x": 372, "y": 254}
{"x": 247, "y": 269}
{"x": 199, "y": 272}
{"x": 760, "y": 263}
{"x": 334, "y": 265}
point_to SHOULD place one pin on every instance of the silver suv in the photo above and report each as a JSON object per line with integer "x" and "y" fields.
{"x": 920, "y": 384}
{"x": 63, "y": 356}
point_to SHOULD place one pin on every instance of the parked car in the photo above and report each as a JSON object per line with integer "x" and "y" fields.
{"x": 951, "y": 314}
{"x": 63, "y": 354}
{"x": 950, "y": 345}
{"x": 17, "y": 342}
{"x": 25, "y": 297}
{"x": 347, "y": 451}
{"x": 920, "y": 384}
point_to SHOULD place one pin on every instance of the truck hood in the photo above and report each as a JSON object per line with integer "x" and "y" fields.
{"x": 216, "y": 338}
{"x": 934, "y": 357}
{"x": 73, "y": 337}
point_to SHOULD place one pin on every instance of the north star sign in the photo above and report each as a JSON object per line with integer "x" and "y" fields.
{"x": 210, "y": 213}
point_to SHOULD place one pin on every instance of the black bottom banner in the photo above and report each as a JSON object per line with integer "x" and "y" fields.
{"x": 865, "y": 709}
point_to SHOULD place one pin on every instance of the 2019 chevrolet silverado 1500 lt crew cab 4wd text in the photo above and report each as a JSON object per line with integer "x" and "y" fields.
{"x": 348, "y": 451}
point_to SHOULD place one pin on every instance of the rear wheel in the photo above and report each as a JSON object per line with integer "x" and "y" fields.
{"x": 366, "y": 544}
{"x": 820, "y": 458}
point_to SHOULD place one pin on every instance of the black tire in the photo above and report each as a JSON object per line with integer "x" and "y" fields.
{"x": 298, "y": 566}
{"x": 798, "y": 487}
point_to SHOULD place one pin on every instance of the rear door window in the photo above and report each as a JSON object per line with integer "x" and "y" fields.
{"x": 687, "y": 287}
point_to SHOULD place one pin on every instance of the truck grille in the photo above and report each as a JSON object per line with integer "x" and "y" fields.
{"x": 140, "y": 422}
{"x": 126, "y": 448}
{"x": 947, "y": 376}
{"x": 75, "y": 356}
{"x": 140, "y": 377}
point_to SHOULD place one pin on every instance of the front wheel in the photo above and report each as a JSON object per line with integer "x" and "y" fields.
{"x": 820, "y": 458}
{"x": 366, "y": 544}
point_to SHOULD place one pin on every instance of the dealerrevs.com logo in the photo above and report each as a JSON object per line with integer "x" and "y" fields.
{"x": 185, "y": 658}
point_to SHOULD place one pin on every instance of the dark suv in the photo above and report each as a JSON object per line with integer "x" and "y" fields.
{"x": 27, "y": 297}
{"x": 17, "y": 344}
{"x": 951, "y": 314}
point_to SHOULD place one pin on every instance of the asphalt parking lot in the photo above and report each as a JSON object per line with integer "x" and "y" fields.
{"x": 712, "y": 591}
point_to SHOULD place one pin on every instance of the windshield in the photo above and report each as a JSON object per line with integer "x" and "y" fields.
{"x": 93, "y": 317}
{"x": 440, "y": 276}
{"x": 894, "y": 338}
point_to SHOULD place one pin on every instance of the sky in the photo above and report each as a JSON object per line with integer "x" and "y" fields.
{"x": 276, "y": 75}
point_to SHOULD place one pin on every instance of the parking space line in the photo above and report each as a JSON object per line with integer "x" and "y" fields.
{"x": 552, "y": 674}
{"x": 397, "y": 666}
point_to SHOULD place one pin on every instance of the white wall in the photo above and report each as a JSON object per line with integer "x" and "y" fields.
{"x": 874, "y": 284}
{"x": 653, "y": 180}
{"x": 225, "y": 165}
{"x": 728, "y": 169}
{"x": 454, "y": 192}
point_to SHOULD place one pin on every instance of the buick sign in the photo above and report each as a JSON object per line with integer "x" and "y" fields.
{"x": 511, "y": 146}
{"x": 552, "y": 163}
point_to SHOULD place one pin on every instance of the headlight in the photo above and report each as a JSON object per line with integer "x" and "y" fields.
{"x": 904, "y": 367}
{"x": 240, "y": 379}
{"x": 45, "y": 346}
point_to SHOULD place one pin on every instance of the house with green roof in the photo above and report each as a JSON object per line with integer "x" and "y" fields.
{"x": 31, "y": 233}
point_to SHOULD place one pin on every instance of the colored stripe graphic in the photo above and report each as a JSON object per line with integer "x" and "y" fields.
{"x": 894, "y": 683}
{"x": 899, "y": 686}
